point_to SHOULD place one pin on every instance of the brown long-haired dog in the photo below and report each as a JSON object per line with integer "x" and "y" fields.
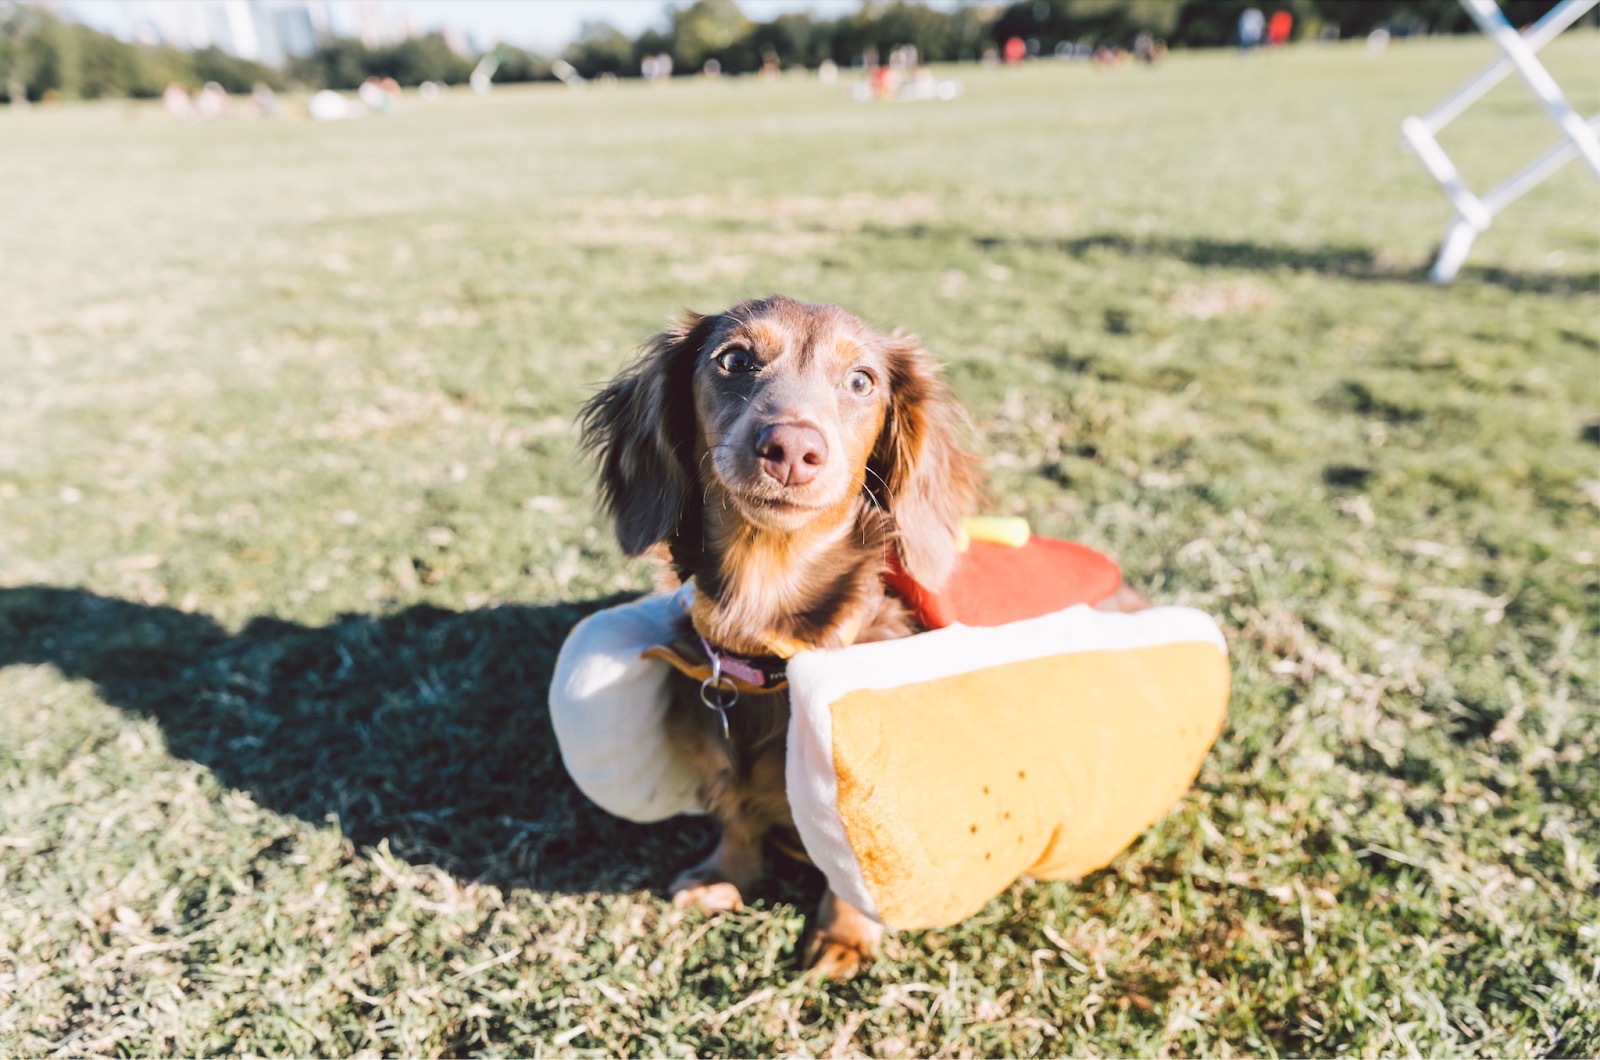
{"x": 781, "y": 451}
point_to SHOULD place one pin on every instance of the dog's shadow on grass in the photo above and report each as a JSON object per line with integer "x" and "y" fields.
{"x": 427, "y": 728}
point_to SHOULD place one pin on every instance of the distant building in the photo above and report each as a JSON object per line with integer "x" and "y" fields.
{"x": 373, "y": 25}
{"x": 298, "y": 31}
{"x": 268, "y": 31}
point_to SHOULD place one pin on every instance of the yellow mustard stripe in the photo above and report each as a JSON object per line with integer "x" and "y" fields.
{"x": 996, "y": 529}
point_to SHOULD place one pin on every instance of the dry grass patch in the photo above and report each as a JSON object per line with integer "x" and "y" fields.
{"x": 1207, "y": 300}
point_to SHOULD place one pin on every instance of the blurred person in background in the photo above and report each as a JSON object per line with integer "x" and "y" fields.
{"x": 211, "y": 101}
{"x": 1278, "y": 28}
{"x": 175, "y": 101}
{"x": 1251, "y": 23}
{"x": 264, "y": 99}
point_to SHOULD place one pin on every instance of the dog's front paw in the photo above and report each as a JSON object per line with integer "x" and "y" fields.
{"x": 691, "y": 891}
{"x": 843, "y": 939}
{"x": 831, "y": 958}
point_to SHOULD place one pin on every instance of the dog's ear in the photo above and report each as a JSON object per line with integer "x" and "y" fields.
{"x": 925, "y": 477}
{"x": 641, "y": 430}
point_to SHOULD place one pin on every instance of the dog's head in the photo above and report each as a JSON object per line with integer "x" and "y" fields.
{"x": 783, "y": 411}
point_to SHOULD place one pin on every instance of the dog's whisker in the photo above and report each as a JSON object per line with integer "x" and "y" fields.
{"x": 882, "y": 482}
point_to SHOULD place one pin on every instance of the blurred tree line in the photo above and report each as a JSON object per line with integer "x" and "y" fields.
{"x": 343, "y": 63}
{"x": 1214, "y": 23}
{"x": 41, "y": 53}
{"x": 717, "y": 29}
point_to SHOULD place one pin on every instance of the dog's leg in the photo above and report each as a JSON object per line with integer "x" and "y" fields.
{"x": 718, "y": 884}
{"x": 843, "y": 940}
{"x": 742, "y": 787}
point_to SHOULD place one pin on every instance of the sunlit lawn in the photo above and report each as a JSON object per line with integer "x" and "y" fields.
{"x": 292, "y": 525}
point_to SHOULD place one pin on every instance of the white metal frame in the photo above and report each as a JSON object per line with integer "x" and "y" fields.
{"x": 1475, "y": 214}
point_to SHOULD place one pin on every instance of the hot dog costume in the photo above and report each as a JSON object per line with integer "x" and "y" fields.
{"x": 1026, "y": 734}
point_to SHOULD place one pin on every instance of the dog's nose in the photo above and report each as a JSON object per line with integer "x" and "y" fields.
{"x": 791, "y": 453}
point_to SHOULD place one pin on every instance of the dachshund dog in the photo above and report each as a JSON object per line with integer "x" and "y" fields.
{"x": 784, "y": 454}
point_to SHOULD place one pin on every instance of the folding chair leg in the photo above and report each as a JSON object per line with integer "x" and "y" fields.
{"x": 1544, "y": 88}
{"x": 1453, "y": 250}
{"x": 1518, "y": 51}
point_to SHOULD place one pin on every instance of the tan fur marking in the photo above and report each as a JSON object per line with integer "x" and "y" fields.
{"x": 767, "y": 339}
{"x": 846, "y": 352}
{"x": 765, "y": 578}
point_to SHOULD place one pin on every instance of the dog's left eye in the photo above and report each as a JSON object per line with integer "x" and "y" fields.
{"x": 860, "y": 383}
{"x": 735, "y": 360}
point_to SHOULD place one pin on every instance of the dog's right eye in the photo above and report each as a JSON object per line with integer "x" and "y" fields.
{"x": 736, "y": 360}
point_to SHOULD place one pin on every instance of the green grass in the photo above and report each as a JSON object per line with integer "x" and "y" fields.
{"x": 292, "y": 525}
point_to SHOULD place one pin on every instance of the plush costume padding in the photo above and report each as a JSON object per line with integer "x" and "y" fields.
{"x": 608, "y": 705}
{"x": 926, "y": 774}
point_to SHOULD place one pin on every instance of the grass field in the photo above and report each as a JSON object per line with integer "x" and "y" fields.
{"x": 292, "y": 525}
